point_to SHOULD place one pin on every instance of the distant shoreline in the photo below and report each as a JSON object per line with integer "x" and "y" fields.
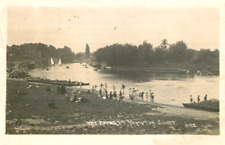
{"x": 169, "y": 68}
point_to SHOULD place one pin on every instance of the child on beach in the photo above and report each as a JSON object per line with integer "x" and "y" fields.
{"x": 137, "y": 93}
{"x": 152, "y": 97}
{"x": 121, "y": 96}
{"x": 146, "y": 95}
{"x": 115, "y": 94}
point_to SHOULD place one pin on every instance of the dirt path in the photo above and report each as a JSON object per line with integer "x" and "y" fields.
{"x": 189, "y": 113}
{"x": 171, "y": 110}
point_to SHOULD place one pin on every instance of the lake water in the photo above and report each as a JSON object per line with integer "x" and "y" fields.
{"x": 171, "y": 89}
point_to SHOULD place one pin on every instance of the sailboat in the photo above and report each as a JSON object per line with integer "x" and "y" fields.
{"x": 60, "y": 62}
{"x": 52, "y": 62}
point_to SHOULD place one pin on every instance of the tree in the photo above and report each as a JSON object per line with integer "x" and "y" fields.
{"x": 145, "y": 52}
{"x": 159, "y": 55}
{"x": 164, "y": 44}
{"x": 87, "y": 51}
{"x": 178, "y": 52}
{"x": 66, "y": 54}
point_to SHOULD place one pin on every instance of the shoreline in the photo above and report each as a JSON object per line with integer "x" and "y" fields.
{"x": 165, "y": 68}
{"x": 171, "y": 68}
{"x": 138, "y": 101}
{"x": 97, "y": 110}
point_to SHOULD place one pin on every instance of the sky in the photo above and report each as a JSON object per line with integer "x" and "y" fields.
{"x": 101, "y": 26}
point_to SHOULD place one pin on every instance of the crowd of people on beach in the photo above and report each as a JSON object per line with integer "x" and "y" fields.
{"x": 103, "y": 92}
{"x": 134, "y": 94}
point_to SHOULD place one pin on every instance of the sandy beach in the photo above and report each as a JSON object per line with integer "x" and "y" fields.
{"x": 29, "y": 111}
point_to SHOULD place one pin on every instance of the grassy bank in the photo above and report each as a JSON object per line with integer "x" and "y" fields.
{"x": 28, "y": 111}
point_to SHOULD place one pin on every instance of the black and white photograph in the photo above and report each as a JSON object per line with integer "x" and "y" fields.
{"x": 112, "y": 70}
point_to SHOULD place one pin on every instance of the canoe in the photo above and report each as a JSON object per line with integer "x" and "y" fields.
{"x": 209, "y": 105}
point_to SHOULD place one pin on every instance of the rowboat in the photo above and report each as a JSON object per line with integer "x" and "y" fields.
{"x": 209, "y": 105}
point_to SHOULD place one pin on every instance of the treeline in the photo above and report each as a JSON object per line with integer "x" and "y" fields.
{"x": 36, "y": 51}
{"x": 164, "y": 54}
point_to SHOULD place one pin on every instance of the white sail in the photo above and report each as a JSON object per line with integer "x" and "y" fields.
{"x": 52, "y": 62}
{"x": 60, "y": 62}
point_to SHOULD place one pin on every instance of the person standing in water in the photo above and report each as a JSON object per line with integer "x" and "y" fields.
{"x": 152, "y": 97}
{"x": 142, "y": 96}
{"x": 150, "y": 93}
{"x": 191, "y": 99}
{"x": 198, "y": 98}
{"x": 123, "y": 87}
{"x": 205, "y": 98}
{"x": 101, "y": 85}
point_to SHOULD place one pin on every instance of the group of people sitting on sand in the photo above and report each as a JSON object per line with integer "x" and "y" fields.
{"x": 198, "y": 98}
{"x": 76, "y": 97}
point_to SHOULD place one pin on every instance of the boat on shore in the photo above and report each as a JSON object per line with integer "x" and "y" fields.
{"x": 209, "y": 105}
{"x": 56, "y": 82}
